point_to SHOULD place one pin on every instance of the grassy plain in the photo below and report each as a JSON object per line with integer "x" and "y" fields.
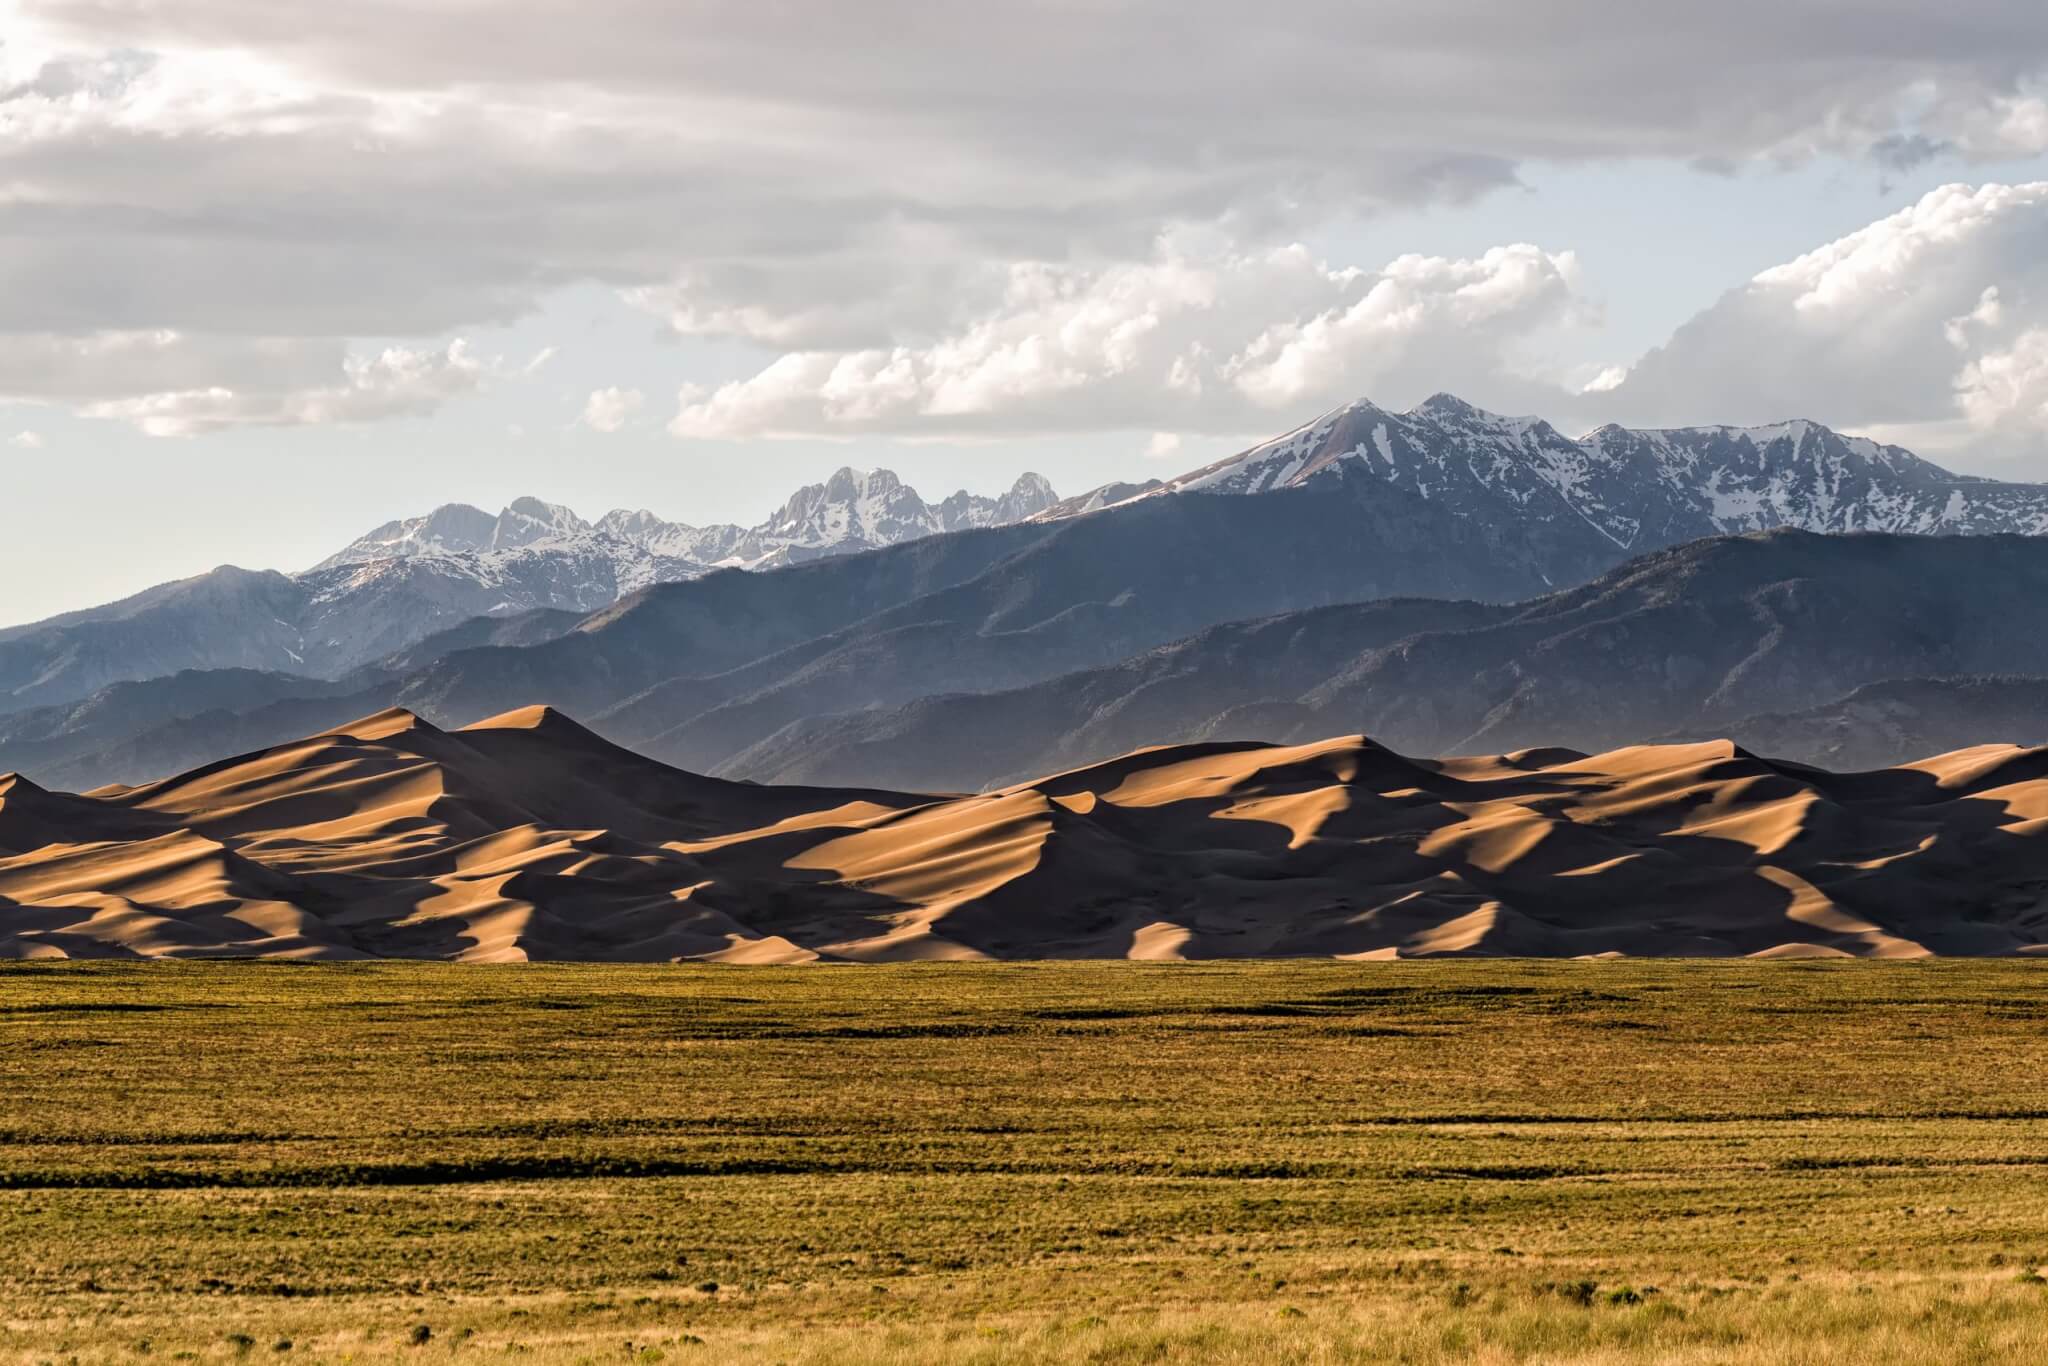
{"x": 1010, "y": 1163}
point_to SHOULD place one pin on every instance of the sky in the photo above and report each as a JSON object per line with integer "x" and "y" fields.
{"x": 272, "y": 273}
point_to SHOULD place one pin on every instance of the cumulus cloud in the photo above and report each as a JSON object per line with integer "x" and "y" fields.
{"x": 395, "y": 382}
{"x": 1219, "y": 342}
{"x": 832, "y": 178}
{"x": 26, "y": 440}
{"x": 1934, "y": 316}
{"x": 608, "y": 409}
{"x": 2004, "y": 391}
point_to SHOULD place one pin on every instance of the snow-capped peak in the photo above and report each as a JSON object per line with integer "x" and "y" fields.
{"x": 1637, "y": 489}
{"x": 451, "y": 529}
{"x": 527, "y": 520}
{"x": 631, "y": 523}
{"x": 1447, "y": 404}
{"x": 851, "y": 510}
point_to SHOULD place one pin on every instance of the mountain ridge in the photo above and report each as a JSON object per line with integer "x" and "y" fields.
{"x": 1642, "y": 488}
{"x": 412, "y": 578}
{"x": 1731, "y": 636}
{"x": 851, "y": 510}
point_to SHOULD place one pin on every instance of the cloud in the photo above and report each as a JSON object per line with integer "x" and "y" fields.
{"x": 1163, "y": 446}
{"x": 1201, "y": 341}
{"x": 2004, "y": 392}
{"x": 1933, "y": 316}
{"x": 395, "y": 382}
{"x": 44, "y": 366}
{"x": 832, "y": 178}
{"x": 608, "y": 409}
{"x": 1422, "y": 314}
{"x": 27, "y": 441}
{"x": 1907, "y": 151}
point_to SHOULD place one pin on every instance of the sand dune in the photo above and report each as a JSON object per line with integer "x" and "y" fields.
{"x": 526, "y": 836}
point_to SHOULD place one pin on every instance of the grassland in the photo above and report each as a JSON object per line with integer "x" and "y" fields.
{"x": 1100, "y": 1162}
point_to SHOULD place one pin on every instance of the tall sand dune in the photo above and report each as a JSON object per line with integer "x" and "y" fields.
{"x": 528, "y": 837}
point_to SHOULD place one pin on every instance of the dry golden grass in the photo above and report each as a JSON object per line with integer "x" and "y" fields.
{"x": 1021, "y": 1163}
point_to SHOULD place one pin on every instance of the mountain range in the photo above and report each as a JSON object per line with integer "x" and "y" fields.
{"x": 1441, "y": 578}
{"x": 853, "y": 510}
{"x": 1633, "y": 490}
{"x": 1724, "y": 637}
{"x": 407, "y": 580}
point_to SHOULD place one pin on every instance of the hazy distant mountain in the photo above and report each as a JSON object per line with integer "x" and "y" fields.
{"x": 453, "y": 529}
{"x": 1874, "y": 725}
{"x": 406, "y": 580}
{"x": 161, "y": 725}
{"x": 853, "y": 510}
{"x": 180, "y": 720}
{"x": 1729, "y": 637}
{"x": 323, "y": 623}
{"x": 1693, "y": 642}
{"x": 229, "y": 618}
{"x": 696, "y": 672}
{"x": 705, "y": 668}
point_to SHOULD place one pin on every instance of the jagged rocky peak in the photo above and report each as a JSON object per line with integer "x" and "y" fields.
{"x": 1447, "y": 409}
{"x": 527, "y": 520}
{"x": 632, "y": 524}
{"x": 457, "y": 524}
{"x": 451, "y": 529}
{"x": 850, "y": 510}
{"x": 1031, "y": 494}
{"x": 874, "y": 507}
{"x": 850, "y": 504}
{"x": 867, "y": 482}
{"x": 1448, "y": 404}
{"x": 460, "y": 529}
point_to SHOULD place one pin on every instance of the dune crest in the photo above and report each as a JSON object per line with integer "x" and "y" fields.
{"x": 527, "y": 836}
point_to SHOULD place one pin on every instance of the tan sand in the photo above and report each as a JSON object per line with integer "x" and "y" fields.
{"x": 528, "y": 837}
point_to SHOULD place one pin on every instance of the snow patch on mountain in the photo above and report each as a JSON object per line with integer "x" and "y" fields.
{"x": 1640, "y": 489}
{"x": 540, "y": 554}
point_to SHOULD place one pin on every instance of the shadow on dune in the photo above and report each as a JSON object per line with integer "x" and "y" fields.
{"x": 527, "y": 836}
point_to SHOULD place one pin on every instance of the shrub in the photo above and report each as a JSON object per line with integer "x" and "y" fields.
{"x": 1577, "y": 1292}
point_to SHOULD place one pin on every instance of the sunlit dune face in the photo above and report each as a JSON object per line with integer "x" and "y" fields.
{"x": 528, "y": 837}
